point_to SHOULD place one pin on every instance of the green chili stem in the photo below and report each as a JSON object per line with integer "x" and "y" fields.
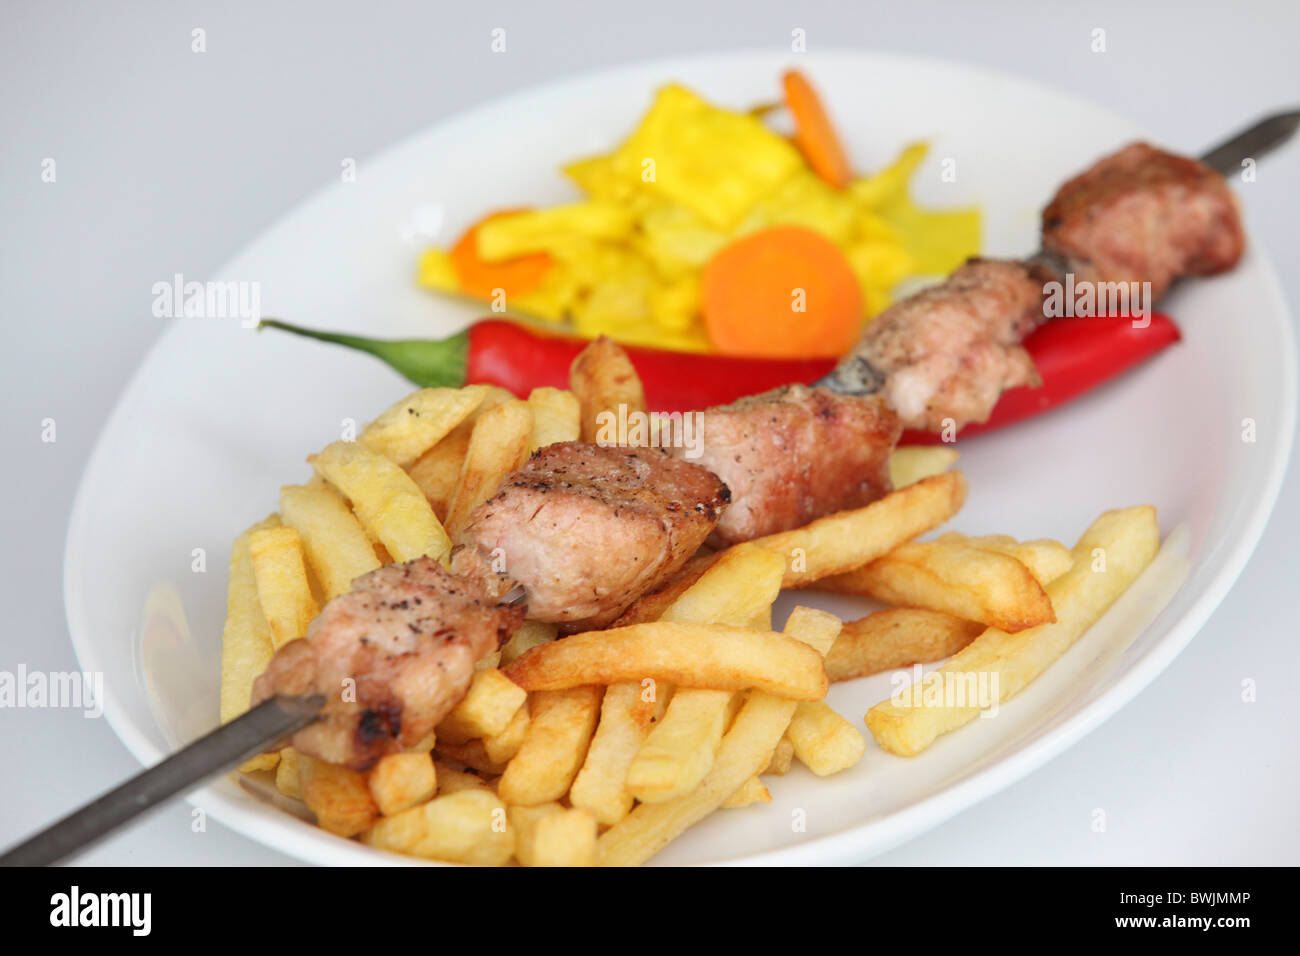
{"x": 425, "y": 362}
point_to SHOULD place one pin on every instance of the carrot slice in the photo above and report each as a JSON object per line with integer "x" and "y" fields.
{"x": 781, "y": 292}
{"x": 814, "y": 134}
{"x": 481, "y": 279}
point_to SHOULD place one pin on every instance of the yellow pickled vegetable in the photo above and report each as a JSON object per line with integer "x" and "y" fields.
{"x": 688, "y": 183}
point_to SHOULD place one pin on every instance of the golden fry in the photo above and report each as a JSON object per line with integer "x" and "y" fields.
{"x": 390, "y": 505}
{"x": 338, "y": 796}
{"x": 713, "y": 656}
{"x": 678, "y": 752}
{"x": 650, "y": 607}
{"x": 626, "y": 713}
{"x": 551, "y": 835}
{"x": 501, "y": 748}
{"x": 246, "y": 641}
{"x": 1045, "y": 558}
{"x": 751, "y": 791}
{"x": 412, "y": 426}
{"x": 498, "y": 445}
{"x": 335, "y": 543}
{"x": 909, "y": 465}
{"x": 561, "y": 723}
{"x": 556, "y": 417}
{"x": 283, "y": 589}
{"x": 437, "y": 471}
{"x": 451, "y": 780}
{"x": 1121, "y": 543}
{"x": 897, "y": 637}
{"x": 746, "y": 750}
{"x": 850, "y": 539}
{"x": 953, "y": 578}
{"x": 603, "y": 378}
{"x": 527, "y": 636}
{"x": 470, "y": 826}
{"x": 398, "y": 782}
{"x": 485, "y": 710}
{"x": 824, "y": 741}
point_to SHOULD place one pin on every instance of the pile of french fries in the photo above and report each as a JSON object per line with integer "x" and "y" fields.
{"x": 603, "y": 747}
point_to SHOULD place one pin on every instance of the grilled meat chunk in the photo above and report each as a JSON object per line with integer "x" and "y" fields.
{"x": 406, "y": 637}
{"x": 587, "y": 529}
{"x": 795, "y": 454}
{"x": 1144, "y": 215}
{"x": 949, "y": 351}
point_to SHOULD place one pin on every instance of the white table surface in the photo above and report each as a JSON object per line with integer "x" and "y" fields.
{"x": 169, "y": 161}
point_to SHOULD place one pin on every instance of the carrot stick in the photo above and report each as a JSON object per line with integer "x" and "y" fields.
{"x": 814, "y": 134}
{"x": 481, "y": 279}
{"x": 781, "y": 292}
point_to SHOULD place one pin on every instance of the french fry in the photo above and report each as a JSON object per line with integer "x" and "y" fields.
{"x": 746, "y": 750}
{"x": 850, "y": 539}
{"x": 451, "y": 780}
{"x": 527, "y": 636}
{"x": 335, "y": 543}
{"x": 680, "y": 749}
{"x": 830, "y": 545}
{"x": 824, "y": 741}
{"x": 953, "y": 578}
{"x": 650, "y": 607}
{"x": 561, "y": 723}
{"x": 472, "y": 754}
{"x": 501, "y": 748}
{"x": 751, "y": 791}
{"x": 556, "y": 417}
{"x": 626, "y": 713}
{"x": 713, "y": 656}
{"x": 424, "y": 745}
{"x": 338, "y": 796}
{"x": 1046, "y": 559}
{"x": 470, "y": 826}
{"x": 602, "y": 378}
{"x": 551, "y": 835}
{"x": 498, "y": 445}
{"x": 1124, "y": 541}
{"x": 437, "y": 471}
{"x": 741, "y": 583}
{"x": 283, "y": 590}
{"x": 782, "y": 758}
{"x": 398, "y": 782}
{"x": 897, "y": 637}
{"x": 246, "y": 641}
{"x": 390, "y": 505}
{"x": 485, "y": 710}
{"x": 411, "y": 427}
{"x": 287, "y": 779}
{"x": 909, "y": 465}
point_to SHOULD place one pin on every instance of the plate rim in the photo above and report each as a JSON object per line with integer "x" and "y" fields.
{"x": 855, "y": 842}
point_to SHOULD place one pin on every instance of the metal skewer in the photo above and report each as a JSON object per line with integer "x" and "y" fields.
{"x": 224, "y": 748}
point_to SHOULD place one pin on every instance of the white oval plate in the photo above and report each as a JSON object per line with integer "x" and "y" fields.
{"x": 218, "y": 417}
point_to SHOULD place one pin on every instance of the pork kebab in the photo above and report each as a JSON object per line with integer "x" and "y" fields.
{"x": 585, "y": 530}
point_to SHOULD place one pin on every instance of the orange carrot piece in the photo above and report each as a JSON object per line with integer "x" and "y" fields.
{"x": 481, "y": 279}
{"x": 814, "y": 134}
{"x": 781, "y": 292}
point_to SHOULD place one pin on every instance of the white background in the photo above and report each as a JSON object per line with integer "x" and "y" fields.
{"x": 169, "y": 161}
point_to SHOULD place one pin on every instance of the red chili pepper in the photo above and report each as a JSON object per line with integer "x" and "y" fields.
{"x": 506, "y": 354}
{"x": 1073, "y": 356}
{"x": 519, "y": 359}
